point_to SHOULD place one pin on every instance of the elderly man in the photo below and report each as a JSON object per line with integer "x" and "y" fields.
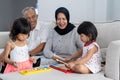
{"x": 38, "y": 34}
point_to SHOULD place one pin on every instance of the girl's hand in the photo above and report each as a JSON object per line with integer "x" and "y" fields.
{"x": 70, "y": 65}
{"x": 15, "y": 64}
{"x": 33, "y": 60}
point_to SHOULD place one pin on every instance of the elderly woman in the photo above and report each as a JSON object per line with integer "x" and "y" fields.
{"x": 64, "y": 40}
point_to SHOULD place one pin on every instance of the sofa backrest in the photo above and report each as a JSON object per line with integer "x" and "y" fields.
{"x": 107, "y": 32}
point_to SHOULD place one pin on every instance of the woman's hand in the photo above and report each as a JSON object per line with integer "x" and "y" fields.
{"x": 67, "y": 59}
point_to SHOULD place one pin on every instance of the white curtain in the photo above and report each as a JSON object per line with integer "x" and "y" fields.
{"x": 81, "y": 10}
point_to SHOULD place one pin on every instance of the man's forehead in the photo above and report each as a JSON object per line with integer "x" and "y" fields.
{"x": 29, "y": 11}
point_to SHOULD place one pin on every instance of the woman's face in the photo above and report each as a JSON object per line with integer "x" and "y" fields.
{"x": 61, "y": 21}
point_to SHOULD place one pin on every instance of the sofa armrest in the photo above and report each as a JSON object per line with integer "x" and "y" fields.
{"x": 112, "y": 67}
{"x": 4, "y": 37}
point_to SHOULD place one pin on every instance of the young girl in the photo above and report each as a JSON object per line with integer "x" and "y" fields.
{"x": 89, "y": 62}
{"x": 17, "y": 47}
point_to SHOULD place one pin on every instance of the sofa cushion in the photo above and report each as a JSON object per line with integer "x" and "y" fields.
{"x": 112, "y": 60}
{"x": 103, "y": 54}
{"x": 107, "y": 32}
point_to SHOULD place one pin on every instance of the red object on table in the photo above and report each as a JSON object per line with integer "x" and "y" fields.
{"x": 60, "y": 69}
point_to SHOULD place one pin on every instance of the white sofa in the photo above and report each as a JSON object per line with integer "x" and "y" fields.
{"x": 108, "y": 39}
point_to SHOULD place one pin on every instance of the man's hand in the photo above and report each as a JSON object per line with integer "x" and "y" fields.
{"x": 1, "y": 59}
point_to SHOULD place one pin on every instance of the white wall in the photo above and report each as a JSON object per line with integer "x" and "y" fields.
{"x": 80, "y": 10}
{"x": 116, "y": 9}
{"x": 113, "y": 10}
{"x": 100, "y": 10}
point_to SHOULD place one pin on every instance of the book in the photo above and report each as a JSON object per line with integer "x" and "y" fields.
{"x": 34, "y": 70}
{"x": 59, "y": 57}
{"x": 61, "y": 68}
{"x": 58, "y": 60}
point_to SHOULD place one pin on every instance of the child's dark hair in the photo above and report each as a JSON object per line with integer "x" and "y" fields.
{"x": 89, "y": 29}
{"x": 20, "y": 25}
